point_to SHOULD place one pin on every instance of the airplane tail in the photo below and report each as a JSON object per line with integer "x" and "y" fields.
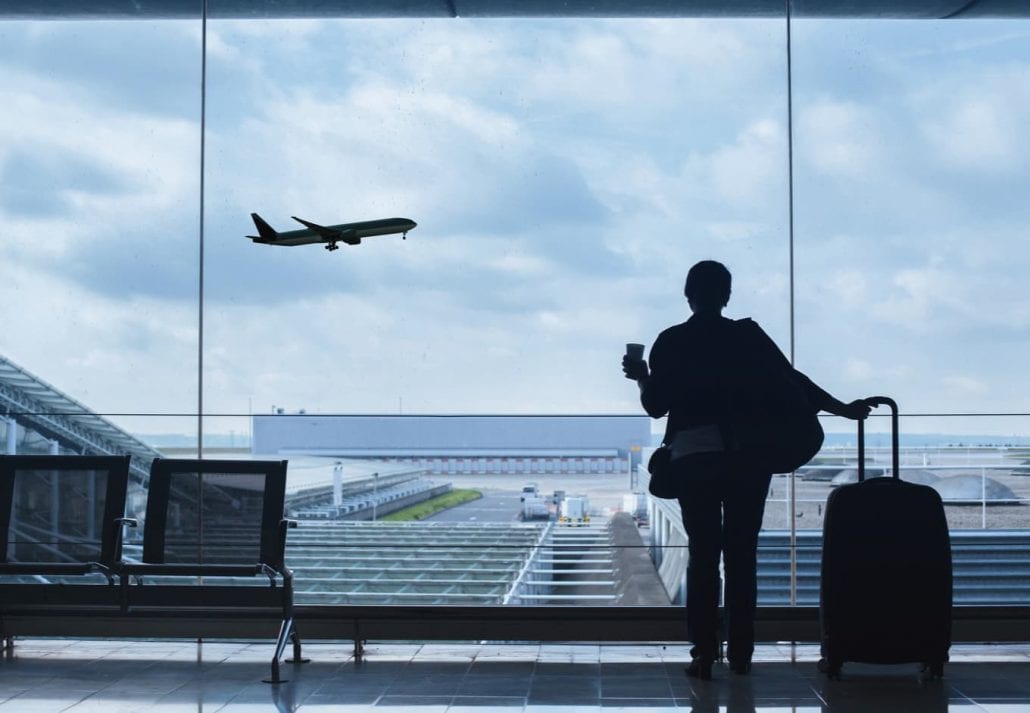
{"x": 265, "y": 230}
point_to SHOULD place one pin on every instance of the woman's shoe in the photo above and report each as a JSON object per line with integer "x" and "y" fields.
{"x": 741, "y": 667}
{"x": 701, "y": 667}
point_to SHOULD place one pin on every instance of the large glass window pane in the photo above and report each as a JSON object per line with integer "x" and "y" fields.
{"x": 564, "y": 176}
{"x": 911, "y": 171}
{"x": 99, "y": 162}
{"x": 911, "y": 165}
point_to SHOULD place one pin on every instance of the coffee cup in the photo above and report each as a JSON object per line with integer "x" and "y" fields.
{"x": 635, "y": 351}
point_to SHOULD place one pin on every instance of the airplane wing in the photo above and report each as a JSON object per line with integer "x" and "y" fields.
{"x": 331, "y": 234}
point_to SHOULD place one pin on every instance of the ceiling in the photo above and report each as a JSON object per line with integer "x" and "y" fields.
{"x": 184, "y": 9}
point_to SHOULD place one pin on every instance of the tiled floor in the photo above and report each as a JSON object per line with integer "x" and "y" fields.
{"x": 120, "y": 676}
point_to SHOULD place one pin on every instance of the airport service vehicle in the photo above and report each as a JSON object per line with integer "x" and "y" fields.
{"x": 535, "y": 507}
{"x": 574, "y": 510}
{"x": 529, "y": 490}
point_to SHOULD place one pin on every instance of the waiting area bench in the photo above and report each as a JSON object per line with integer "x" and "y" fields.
{"x": 212, "y": 548}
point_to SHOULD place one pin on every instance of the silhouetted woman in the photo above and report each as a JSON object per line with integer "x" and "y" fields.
{"x": 722, "y": 499}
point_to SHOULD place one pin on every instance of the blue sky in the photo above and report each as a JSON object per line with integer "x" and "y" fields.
{"x": 564, "y": 176}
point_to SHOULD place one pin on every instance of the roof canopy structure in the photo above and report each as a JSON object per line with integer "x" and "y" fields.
{"x": 216, "y": 9}
{"x": 38, "y": 406}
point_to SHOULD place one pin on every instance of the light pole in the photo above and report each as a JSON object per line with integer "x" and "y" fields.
{"x": 375, "y": 494}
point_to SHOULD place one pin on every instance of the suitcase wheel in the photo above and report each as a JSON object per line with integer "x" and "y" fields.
{"x": 933, "y": 670}
{"x": 831, "y": 668}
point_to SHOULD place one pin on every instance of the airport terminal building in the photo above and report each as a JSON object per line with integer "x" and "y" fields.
{"x": 462, "y": 444}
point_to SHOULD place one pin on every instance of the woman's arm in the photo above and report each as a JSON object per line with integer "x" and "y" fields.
{"x": 824, "y": 401}
{"x": 819, "y": 397}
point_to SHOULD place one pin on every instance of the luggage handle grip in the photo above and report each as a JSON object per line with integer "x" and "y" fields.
{"x": 873, "y": 402}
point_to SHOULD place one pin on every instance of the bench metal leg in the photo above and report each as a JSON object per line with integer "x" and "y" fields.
{"x": 280, "y": 646}
{"x": 359, "y": 644}
{"x": 297, "y": 657}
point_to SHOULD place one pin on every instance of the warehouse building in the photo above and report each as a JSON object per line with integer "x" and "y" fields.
{"x": 462, "y": 444}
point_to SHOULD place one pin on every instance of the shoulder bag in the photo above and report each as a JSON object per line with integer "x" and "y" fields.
{"x": 774, "y": 426}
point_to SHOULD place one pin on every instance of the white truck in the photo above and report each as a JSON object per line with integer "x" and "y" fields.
{"x": 529, "y": 490}
{"x": 534, "y": 507}
{"x": 574, "y": 510}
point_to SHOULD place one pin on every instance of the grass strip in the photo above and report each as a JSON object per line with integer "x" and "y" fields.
{"x": 433, "y": 505}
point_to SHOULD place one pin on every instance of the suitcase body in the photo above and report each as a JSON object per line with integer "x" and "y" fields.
{"x": 885, "y": 590}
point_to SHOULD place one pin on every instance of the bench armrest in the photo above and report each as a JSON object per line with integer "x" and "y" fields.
{"x": 104, "y": 570}
{"x": 117, "y": 528}
{"x": 284, "y": 526}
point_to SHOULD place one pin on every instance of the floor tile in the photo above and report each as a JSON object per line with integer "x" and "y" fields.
{"x": 484, "y": 704}
{"x": 635, "y": 687}
{"x": 476, "y": 685}
{"x": 424, "y": 704}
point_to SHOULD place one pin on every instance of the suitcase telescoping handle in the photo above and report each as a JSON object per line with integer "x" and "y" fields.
{"x": 873, "y": 402}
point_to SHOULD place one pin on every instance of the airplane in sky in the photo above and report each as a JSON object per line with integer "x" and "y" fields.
{"x": 350, "y": 233}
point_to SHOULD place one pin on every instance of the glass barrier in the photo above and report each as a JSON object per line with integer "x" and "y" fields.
{"x": 431, "y": 518}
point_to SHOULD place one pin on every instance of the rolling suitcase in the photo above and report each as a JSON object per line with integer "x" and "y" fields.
{"x": 885, "y": 590}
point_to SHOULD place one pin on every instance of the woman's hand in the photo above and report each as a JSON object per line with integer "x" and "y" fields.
{"x": 636, "y": 369}
{"x": 857, "y": 410}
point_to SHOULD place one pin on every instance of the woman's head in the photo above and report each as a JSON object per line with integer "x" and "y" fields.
{"x": 708, "y": 285}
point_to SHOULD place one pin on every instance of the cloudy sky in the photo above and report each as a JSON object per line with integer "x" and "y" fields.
{"x": 564, "y": 175}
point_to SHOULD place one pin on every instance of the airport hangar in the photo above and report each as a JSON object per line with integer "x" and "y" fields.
{"x": 462, "y": 443}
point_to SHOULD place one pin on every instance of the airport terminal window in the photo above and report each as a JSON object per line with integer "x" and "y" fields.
{"x": 909, "y": 173}
{"x": 911, "y": 167}
{"x": 563, "y": 175}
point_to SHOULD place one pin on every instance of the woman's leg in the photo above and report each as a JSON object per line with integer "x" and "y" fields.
{"x": 701, "y": 508}
{"x": 743, "y": 508}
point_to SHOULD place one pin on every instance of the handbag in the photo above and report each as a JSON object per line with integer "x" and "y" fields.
{"x": 771, "y": 441}
{"x": 663, "y": 483}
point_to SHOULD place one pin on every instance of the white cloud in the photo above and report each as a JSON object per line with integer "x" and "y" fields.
{"x": 925, "y": 297}
{"x": 751, "y": 170}
{"x": 116, "y": 355}
{"x": 963, "y": 386}
{"x": 976, "y": 120}
{"x": 850, "y": 286}
{"x": 150, "y": 162}
{"x": 842, "y": 139}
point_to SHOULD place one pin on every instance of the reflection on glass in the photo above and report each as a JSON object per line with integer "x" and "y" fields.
{"x": 214, "y": 518}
